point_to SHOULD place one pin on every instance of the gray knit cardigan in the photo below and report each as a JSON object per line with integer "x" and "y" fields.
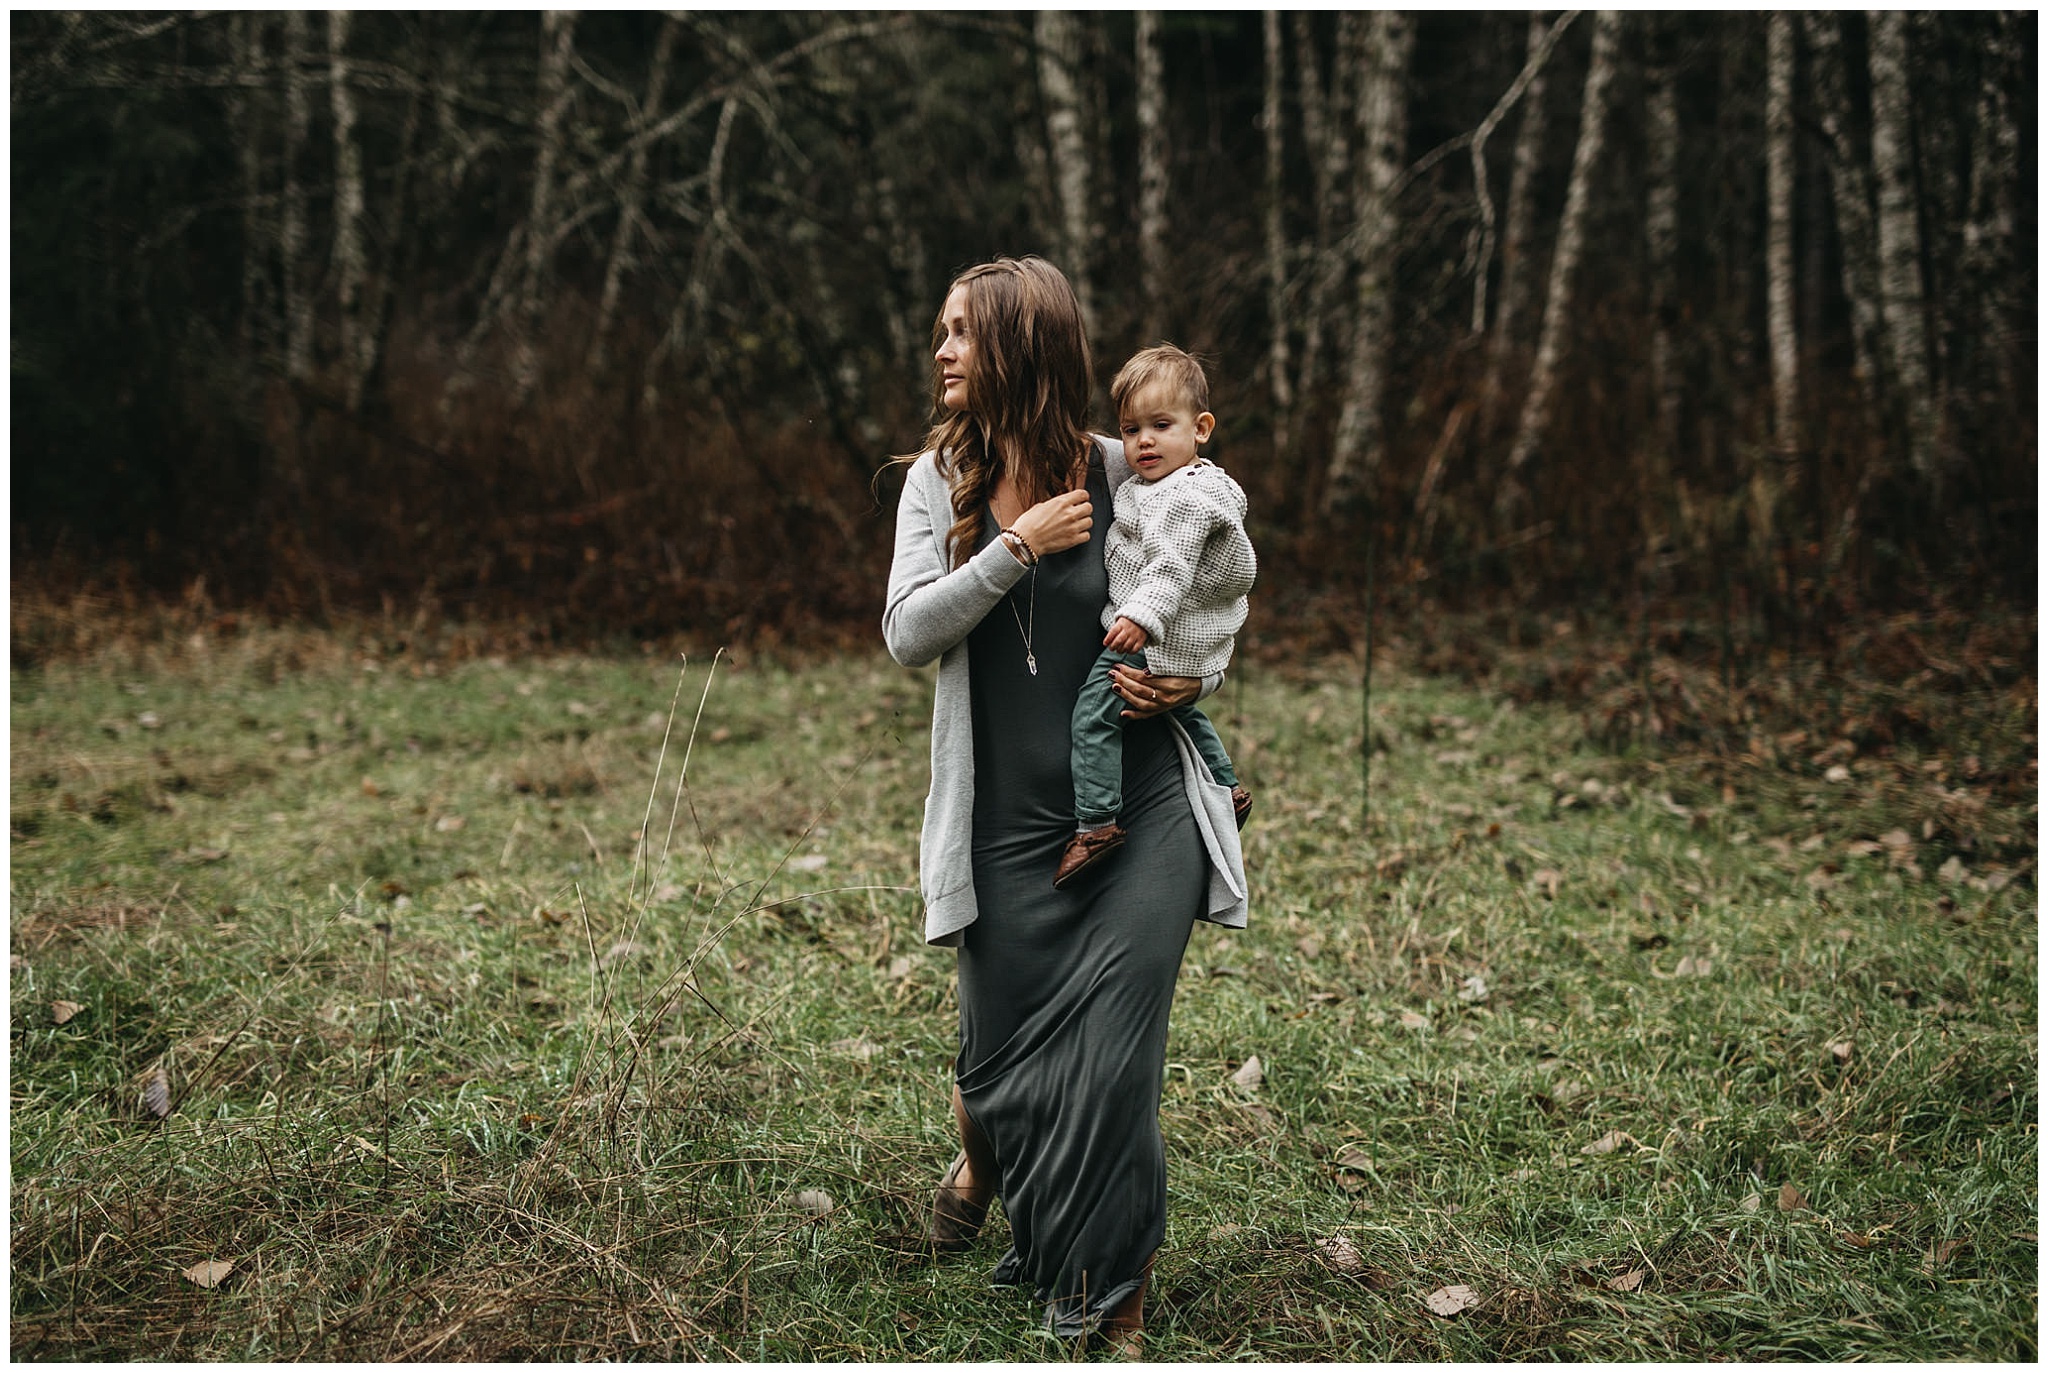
{"x": 931, "y": 608}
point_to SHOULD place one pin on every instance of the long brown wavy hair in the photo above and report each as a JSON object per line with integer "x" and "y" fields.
{"x": 1027, "y": 398}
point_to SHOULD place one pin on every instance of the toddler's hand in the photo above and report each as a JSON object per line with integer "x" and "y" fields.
{"x": 1124, "y": 637}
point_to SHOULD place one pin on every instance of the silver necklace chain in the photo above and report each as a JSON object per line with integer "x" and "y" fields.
{"x": 1030, "y": 658}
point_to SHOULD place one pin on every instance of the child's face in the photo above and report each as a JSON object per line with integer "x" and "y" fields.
{"x": 1161, "y": 432}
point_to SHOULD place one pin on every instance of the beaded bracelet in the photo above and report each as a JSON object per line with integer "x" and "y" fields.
{"x": 1030, "y": 557}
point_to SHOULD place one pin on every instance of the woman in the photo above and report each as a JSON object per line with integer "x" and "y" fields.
{"x": 1064, "y": 995}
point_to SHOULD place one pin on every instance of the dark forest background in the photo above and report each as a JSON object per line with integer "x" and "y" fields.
{"x": 609, "y": 321}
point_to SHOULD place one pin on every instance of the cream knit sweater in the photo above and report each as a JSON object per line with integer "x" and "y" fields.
{"x": 1180, "y": 567}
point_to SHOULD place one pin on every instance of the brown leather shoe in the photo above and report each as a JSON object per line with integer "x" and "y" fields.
{"x": 1241, "y": 803}
{"x": 1085, "y": 850}
{"x": 956, "y": 1217}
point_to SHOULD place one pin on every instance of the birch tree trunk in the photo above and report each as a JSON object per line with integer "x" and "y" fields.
{"x": 1534, "y": 424}
{"x": 1941, "y": 160}
{"x": 632, "y": 195}
{"x": 1988, "y": 235}
{"x": 1766, "y": 472}
{"x": 291, "y": 236}
{"x": 1487, "y": 234}
{"x": 255, "y": 332}
{"x": 695, "y": 298}
{"x": 1849, "y": 183}
{"x": 1360, "y": 440}
{"x": 557, "y": 43}
{"x": 1059, "y": 59}
{"x": 1900, "y": 291}
{"x": 350, "y": 267}
{"x": 1660, "y": 226}
{"x": 1736, "y": 243}
{"x": 1278, "y": 322}
{"x": 903, "y": 244}
{"x": 1516, "y": 271}
{"x": 377, "y": 316}
{"x": 1323, "y": 115}
{"x": 1151, "y": 103}
{"x": 1779, "y": 176}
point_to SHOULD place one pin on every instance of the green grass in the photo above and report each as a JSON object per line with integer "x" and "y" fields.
{"x": 445, "y": 1083}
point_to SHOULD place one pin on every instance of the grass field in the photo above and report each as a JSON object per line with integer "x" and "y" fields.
{"x": 1659, "y": 1058}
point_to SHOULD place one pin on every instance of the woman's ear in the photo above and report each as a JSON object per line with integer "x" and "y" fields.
{"x": 1205, "y": 425}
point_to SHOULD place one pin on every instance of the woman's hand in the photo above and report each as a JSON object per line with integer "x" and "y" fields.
{"x": 1056, "y": 525}
{"x": 1151, "y": 695}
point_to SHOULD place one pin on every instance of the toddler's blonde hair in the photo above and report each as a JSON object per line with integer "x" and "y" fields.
{"x": 1180, "y": 371}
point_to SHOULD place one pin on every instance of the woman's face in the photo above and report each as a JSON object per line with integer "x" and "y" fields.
{"x": 955, "y": 355}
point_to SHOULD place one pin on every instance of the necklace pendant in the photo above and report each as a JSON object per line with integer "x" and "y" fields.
{"x": 1031, "y": 661}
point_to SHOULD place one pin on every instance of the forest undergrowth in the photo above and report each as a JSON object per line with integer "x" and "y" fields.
{"x": 383, "y": 992}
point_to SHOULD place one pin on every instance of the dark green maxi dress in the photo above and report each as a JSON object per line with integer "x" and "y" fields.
{"x": 1064, "y": 994}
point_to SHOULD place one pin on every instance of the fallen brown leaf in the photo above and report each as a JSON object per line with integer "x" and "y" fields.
{"x": 1609, "y": 1142}
{"x": 1449, "y": 1301}
{"x": 62, "y": 1011}
{"x": 1941, "y": 1252}
{"x": 210, "y": 1272}
{"x": 1310, "y": 947}
{"x": 1341, "y": 1254}
{"x": 1789, "y": 1199}
{"x": 1843, "y": 1050}
{"x": 1351, "y": 1156}
{"x": 1251, "y": 1074}
{"x": 1411, "y": 1021}
{"x": 1629, "y": 1281}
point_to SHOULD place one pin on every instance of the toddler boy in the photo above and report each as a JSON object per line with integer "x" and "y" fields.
{"x": 1180, "y": 568}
